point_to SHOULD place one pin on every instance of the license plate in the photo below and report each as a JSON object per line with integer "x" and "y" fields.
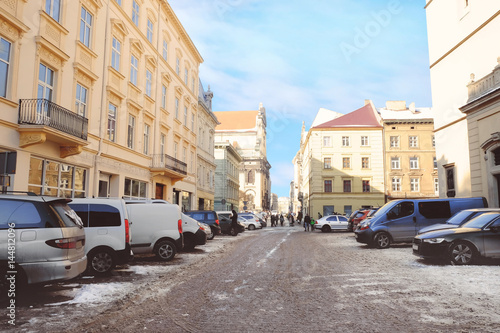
{"x": 415, "y": 247}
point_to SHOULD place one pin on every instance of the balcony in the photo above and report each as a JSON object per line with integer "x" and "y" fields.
{"x": 166, "y": 165}
{"x": 41, "y": 120}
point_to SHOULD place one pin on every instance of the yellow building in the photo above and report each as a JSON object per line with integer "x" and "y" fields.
{"x": 341, "y": 166}
{"x": 410, "y": 156}
{"x": 98, "y": 98}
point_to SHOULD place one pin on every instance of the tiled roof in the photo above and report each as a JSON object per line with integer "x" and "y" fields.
{"x": 236, "y": 120}
{"x": 366, "y": 116}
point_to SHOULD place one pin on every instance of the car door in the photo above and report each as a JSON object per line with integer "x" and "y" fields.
{"x": 492, "y": 239}
{"x": 401, "y": 222}
{"x": 342, "y": 223}
{"x": 332, "y": 222}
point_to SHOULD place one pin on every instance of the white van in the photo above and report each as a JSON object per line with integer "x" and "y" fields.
{"x": 41, "y": 239}
{"x": 107, "y": 232}
{"x": 156, "y": 226}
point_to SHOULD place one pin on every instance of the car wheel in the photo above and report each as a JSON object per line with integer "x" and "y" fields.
{"x": 211, "y": 235}
{"x": 251, "y": 227}
{"x": 100, "y": 261}
{"x": 382, "y": 240}
{"x": 165, "y": 250}
{"x": 462, "y": 253}
{"x": 326, "y": 228}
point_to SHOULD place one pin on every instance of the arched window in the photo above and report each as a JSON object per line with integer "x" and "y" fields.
{"x": 251, "y": 177}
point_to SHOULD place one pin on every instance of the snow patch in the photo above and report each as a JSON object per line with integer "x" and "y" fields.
{"x": 94, "y": 294}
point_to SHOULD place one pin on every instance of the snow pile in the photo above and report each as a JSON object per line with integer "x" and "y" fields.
{"x": 94, "y": 294}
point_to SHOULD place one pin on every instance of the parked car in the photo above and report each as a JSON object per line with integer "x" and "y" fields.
{"x": 253, "y": 217}
{"x": 464, "y": 245}
{"x": 459, "y": 219}
{"x": 225, "y": 222}
{"x": 331, "y": 222}
{"x": 107, "y": 232}
{"x": 399, "y": 221}
{"x": 249, "y": 224}
{"x": 156, "y": 228}
{"x": 209, "y": 217}
{"x": 357, "y": 217}
{"x": 42, "y": 237}
{"x": 193, "y": 234}
{"x": 206, "y": 228}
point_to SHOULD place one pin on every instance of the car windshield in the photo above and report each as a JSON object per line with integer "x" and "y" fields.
{"x": 385, "y": 208}
{"x": 459, "y": 217}
{"x": 480, "y": 221}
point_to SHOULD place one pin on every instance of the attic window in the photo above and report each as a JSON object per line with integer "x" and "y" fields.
{"x": 413, "y": 127}
{"x": 393, "y": 127}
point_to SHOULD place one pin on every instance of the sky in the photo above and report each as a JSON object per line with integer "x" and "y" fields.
{"x": 298, "y": 56}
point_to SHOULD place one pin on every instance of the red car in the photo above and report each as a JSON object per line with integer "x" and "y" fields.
{"x": 357, "y": 217}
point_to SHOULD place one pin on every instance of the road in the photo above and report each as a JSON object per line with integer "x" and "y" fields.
{"x": 274, "y": 280}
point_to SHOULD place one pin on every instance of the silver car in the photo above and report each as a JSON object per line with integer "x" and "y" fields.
{"x": 41, "y": 239}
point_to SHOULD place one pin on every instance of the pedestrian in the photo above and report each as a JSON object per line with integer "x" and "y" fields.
{"x": 282, "y": 219}
{"x": 307, "y": 222}
{"x": 273, "y": 219}
{"x": 234, "y": 223}
{"x": 299, "y": 217}
{"x": 312, "y": 224}
{"x": 291, "y": 220}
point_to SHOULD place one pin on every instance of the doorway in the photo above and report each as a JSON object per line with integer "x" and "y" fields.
{"x": 160, "y": 190}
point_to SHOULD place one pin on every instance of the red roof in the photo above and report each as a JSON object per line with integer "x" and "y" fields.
{"x": 363, "y": 117}
{"x": 236, "y": 120}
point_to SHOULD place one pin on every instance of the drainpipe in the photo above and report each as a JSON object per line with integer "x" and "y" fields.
{"x": 103, "y": 104}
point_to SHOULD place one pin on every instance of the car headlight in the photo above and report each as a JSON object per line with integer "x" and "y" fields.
{"x": 433, "y": 240}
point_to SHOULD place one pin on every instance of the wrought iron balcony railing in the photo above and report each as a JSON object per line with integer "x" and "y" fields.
{"x": 164, "y": 161}
{"x": 44, "y": 112}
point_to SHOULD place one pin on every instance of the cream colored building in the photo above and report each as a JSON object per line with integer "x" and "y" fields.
{"x": 246, "y": 131}
{"x": 340, "y": 164}
{"x": 462, "y": 35}
{"x": 207, "y": 121}
{"x": 99, "y": 98}
{"x": 410, "y": 156}
{"x": 283, "y": 205}
{"x": 227, "y": 177}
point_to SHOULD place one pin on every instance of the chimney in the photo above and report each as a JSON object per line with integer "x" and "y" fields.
{"x": 396, "y": 105}
{"x": 367, "y": 101}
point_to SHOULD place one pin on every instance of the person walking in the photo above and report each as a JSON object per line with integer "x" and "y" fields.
{"x": 234, "y": 223}
{"x": 282, "y": 219}
{"x": 299, "y": 217}
{"x": 291, "y": 220}
{"x": 312, "y": 224}
{"x": 307, "y": 222}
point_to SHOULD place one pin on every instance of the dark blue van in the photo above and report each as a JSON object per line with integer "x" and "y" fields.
{"x": 399, "y": 221}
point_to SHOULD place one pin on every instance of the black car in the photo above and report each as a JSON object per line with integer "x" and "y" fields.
{"x": 225, "y": 224}
{"x": 209, "y": 217}
{"x": 480, "y": 237}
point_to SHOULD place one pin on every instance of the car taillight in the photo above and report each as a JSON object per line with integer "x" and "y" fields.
{"x": 127, "y": 231}
{"x": 63, "y": 243}
{"x": 179, "y": 225}
{"x": 217, "y": 222}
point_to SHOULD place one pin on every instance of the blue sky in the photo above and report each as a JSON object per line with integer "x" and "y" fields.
{"x": 297, "y": 56}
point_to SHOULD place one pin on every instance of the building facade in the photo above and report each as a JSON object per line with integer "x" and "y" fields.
{"x": 246, "y": 131}
{"x": 98, "y": 99}
{"x": 227, "y": 177}
{"x": 409, "y": 150}
{"x": 341, "y": 164}
{"x": 460, "y": 34}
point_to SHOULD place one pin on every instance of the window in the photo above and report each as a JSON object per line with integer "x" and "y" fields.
{"x": 176, "y": 108}
{"x": 135, "y": 189}
{"x": 4, "y": 66}
{"x": 119, "y": 2}
{"x": 85, "y": 27}
{"x": 115, "y": 54}
{"x": 185, "y": 116}
{"x": 327, "y": 142}
{"x": 347, "y": 210}
{"x": 53, "y": 8}
{"x": 396, "y": 184}
{"x": 365, "y": 162}
{"x": 134, "y": 68}
{"x": 135, "y": 13}
{"x": 149, "y": 82}
{"x": 185, "y": 76}
{"x": 413, "y": 141}
{"x": 163, "y": 96}
{"x": 163, "y": 138}
{"x": 436, "y": 186}
{"x": 395, "y": 163}
{"x": 111, "y": 122}
{"x": 347, "y": 185}
{"x": 415, "y": 184}
{"x": 165, "y": 50}
{"x": 435, "y": 209}
{"x": 81, "y": 100}
{"x": 45, "y": 82}
{"x": 146, "y": 139}
{"x": 251, "y": 177}
{"x": 394, "y": 141}
{"x": 184, "y": 155}
{"x": 149, "y": 32}
{"x": 346, "y": 141}
{"x": 177, "y": 66}
{"x": 450, "y": 181}
{"x": 328, "y": 186}
{"x": 364, "y": 141}
{"x": 433, "y": 141}
{"x": 131, "y": 130}
{"x": 192, "y": 122}
{"x": 496, "y": 156}
{"x": 327, "y": 163}
{"x": 405, "y": 208}
{"x": 435, "y": 162}
{"x": 366, "y": 186}
{"x": 191, "y": 164}
{"x": 414, "y": 163}
{"x": 346, "y": 162}
{"x": 175, "y": 149}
